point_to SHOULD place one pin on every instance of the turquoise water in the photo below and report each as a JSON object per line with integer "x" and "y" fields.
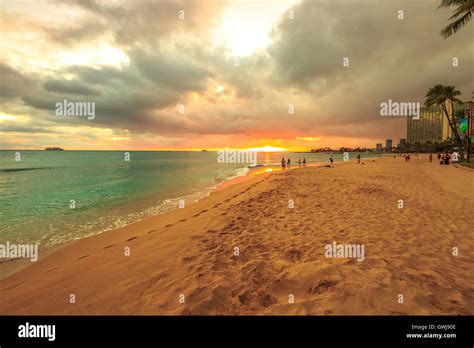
{"x": 36, "y": 192}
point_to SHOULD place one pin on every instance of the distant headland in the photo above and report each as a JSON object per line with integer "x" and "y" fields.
{"x": 53, "y": 149}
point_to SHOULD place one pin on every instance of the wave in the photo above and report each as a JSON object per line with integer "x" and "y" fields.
{"x": 8, "y": 170}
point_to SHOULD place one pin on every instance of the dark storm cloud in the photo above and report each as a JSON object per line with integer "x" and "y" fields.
{"x": 172, "y": 72}
{"x": 106, "y": 75}
{"x": 133, "y": 96}
{"x": 249, "y": 78}
{"x": 40, "y": 102}
{"x": 21, "y": 129}
{"x": 388, "y": 59}
{"x": 311, "y": 47}
{"x": 69, "y": 36}
{"x": 69, "y": 87}
{"x": 120, "y": 105}
{"x": 150, "y": 21}
{"x": 12, "y": 83}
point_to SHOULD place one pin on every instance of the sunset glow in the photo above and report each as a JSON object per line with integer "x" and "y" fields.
{"x": 267, "y": 149}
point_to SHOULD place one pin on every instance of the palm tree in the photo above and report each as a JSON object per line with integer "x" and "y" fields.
{"x": 442, "y": 95}
{"x": 461, "y": 16}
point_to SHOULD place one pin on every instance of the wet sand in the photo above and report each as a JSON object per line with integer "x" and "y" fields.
{"x": 185, "y": 262}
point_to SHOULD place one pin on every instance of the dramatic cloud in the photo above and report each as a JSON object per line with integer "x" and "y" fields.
{"x": 14, "y": 84}
{"x": 166, "y": 74}
{"x": 69, "y": 87}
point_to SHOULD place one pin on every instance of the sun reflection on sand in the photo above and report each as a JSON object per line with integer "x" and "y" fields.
{"x": 266, "y": 170}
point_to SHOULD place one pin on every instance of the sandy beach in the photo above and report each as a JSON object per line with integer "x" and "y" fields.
{"x": 186, "y": 262}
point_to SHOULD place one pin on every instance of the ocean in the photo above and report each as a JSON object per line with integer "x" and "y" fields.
{"x": 38, "y": 192}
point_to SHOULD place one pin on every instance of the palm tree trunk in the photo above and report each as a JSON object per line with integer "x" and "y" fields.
{"x": 456, "y": 133}
{"x": 452, "y": 124}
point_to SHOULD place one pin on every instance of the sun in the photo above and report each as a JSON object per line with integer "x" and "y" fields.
{"x": 268, "y": 148}
{"x": 245, "y": 25}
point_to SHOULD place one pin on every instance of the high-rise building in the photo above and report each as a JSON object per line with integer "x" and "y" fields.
{"x": 428, "y": 127}
{"x": 402, "y": 145}
{"x": 431, "y": 125}
{"x": 378, "y": 147}
{"x": 388, "y": 145}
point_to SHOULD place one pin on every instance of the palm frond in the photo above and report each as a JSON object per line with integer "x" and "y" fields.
{"x": 447, "y": 3}
{"x": 453, "y": 27}
{"x": 439, "y": 94}
{"x": 465, "y": 8}
{"x": 461, "y": 16}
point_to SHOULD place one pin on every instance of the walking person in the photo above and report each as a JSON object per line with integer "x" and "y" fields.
{"x": 283, "y": 163}
{"x": 431, "y": 157}
{"x": 288, "y": 163}
{"x": 358, "y": 158}
{"x": 331, "y": 160}
{"x": 304, "y": 162}
{"x": 447, "y": 157}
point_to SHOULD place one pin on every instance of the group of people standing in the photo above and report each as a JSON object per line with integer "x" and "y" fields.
{"x": 446, "y": 157}
{"x": 443, "y": 158}
{"x": 287, "y": 163}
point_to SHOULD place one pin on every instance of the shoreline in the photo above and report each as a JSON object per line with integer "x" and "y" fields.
{"x": 12, "y": 266}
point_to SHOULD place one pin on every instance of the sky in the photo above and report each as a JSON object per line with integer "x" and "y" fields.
{"x": 191, "y": 75}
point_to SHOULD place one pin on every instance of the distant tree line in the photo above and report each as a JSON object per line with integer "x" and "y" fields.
{"x": 448, "y": 145}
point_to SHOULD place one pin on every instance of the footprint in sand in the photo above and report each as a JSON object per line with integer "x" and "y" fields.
{"x": 321, "y": 286}
{"x": 218, "y": 267}
{"x": 52, "y": 269}
{"x": 183, "y": 220}
{"x": 111, "y": 245}
{"x": 152, "y": 231}
{"x": 129, "y": 239}
{"x": 267, "y": 300}
{"x": 196, "y": 215}
{"x": 294, "y": 254}
{"x": 244, "y": 298}
{"x": 169, "y": 225}
{"x": 187, "y": 259}
{"x": 82, "y": 257}
{"x": 12, "y": 287}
